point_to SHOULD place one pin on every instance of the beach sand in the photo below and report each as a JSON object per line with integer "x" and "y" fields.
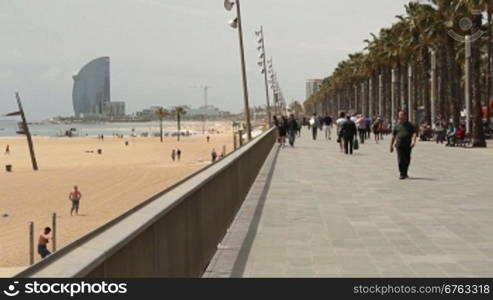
{"x": 111, "y": 183}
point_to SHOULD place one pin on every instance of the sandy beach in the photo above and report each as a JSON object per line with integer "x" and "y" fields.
{"x": 111, "y": 183}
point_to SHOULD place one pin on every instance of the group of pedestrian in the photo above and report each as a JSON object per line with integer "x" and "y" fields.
{"x": 353, "y": 130}
{"x": 347, "y": 134}
{"x": 289, "y": 128}
{"x": 176, "y": 154}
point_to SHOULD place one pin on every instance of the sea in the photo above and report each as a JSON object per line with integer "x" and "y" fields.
{"x": 9, "y": 128}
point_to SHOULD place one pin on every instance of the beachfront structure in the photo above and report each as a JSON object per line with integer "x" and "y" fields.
{"x": 312, "y": 86}
{"x": 92, "y": 88}
{"x": 114, "y": 109}
{"x": 208, "y": 111}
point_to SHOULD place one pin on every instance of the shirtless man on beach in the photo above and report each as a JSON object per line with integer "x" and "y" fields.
{"x": 44, "y": 238}
{"x": 75, "y": 196}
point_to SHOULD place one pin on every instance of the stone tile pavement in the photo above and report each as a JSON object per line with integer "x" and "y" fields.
{"x": 314, "y": 212}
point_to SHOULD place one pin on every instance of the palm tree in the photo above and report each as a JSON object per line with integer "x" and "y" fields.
{"x": 179, "y": 111}
{"x": 296, "y": 108}
{"x": 355, "y": 82}
{"x": 161, "y": 113}
{"x": 466, "y": 7}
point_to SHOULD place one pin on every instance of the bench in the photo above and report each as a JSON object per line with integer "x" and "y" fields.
{"x": 464, "y": 142}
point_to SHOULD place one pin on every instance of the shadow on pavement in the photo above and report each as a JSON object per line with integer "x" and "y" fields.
{"x": 241, "y": 261}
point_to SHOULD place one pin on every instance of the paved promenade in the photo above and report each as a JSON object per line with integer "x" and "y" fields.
{"x": 315, "y": 212}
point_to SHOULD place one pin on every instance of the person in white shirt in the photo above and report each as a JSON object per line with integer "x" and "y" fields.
{"x": 339, "y": 122}
{"x": 361, "y": 124}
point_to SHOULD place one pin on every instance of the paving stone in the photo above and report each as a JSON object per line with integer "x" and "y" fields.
{"x": 330, "y": 215}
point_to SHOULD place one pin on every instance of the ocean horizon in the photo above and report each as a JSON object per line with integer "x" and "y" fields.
{"x": 8, "y": 128}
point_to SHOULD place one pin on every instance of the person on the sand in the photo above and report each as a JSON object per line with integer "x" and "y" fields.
{"x": 75, "y": 197}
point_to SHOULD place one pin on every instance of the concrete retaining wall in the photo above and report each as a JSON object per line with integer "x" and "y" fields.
{"x": 174, "y": 234}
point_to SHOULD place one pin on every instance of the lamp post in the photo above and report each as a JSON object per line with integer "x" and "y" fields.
{"x": 433, "y": 86}
{"x": 236, "y": 23}
{"x": 467, "y": 87}
{"x": 380, "y": 95}
{"x": 410, "y": 91}
{"x": 263, "y": 63}
{"x": 392, "y": 109}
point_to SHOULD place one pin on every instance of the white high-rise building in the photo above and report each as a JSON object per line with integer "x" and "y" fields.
{"x": 313, "y": 86}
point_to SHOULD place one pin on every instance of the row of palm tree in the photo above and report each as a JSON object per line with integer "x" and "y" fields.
{"x": 177, "y": 112}
{"x": 419, "y": 58}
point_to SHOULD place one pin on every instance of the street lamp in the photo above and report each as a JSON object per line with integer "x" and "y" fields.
{"x": 236, "y": 24}
{"x": 263, "y": 63}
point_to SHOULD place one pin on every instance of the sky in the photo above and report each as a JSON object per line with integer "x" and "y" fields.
{"x": 163, "y": 51}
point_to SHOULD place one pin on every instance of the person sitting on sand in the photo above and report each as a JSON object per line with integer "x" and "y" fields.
{"x": 75, "y": 196}
{"x": 43, "y": 241}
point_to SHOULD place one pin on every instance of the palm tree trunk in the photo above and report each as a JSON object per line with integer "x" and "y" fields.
{"x": 478, "y": 139}
{"x": 443, "y": 78}
{"x": 490, "y": 71}
{"x": 161, "y": 128}
{"x": 453, "y": 84}
{"x": 426, "y": 84}
{"x": 178, "y": 117}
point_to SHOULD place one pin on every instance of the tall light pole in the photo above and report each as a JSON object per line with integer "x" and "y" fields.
{"x": 236, "y": 23}
{"x": 206, "y": 89}
{"x": 380, "y": 95}
{"x": 410, "y": 96}
{"x": 263, "y": 61}
{"x": 433, "y": 86}
{"x": 393, "y": 113}
{"x": 370, "y": 97}
{"x": 467, "y": 87}
{"x": 363, "y": 98}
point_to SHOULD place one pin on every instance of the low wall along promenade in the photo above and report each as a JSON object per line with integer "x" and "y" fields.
{"x": 174, "y": 234}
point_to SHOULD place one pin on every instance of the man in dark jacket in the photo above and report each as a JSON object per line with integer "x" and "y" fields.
{"x": 404, "y": 140}
{"x": 292, "y": 129}
{"x": 348, "y": 131}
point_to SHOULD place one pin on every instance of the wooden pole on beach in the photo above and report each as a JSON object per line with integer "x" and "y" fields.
{"x": 53, "y": 235}
{"x": 31, "y": 243}
{"x": 26, "y": 131}
{"x": 240, "y": 136}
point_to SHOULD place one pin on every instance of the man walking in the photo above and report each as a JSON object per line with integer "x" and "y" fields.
{"x": 75, "y": 197}
{"x": 43, "y": 242}
{"x": 315, "y": 124}
{"x": 403, "y": 139}
{"x": 348, "y": 132}
{"x": 328, "y": 127}
{"x": 339, "y": 123}
{"x": 292, "y": 129}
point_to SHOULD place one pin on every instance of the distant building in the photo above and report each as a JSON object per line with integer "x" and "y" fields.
{"x": 208, "y": 111}
{"x": 114, "y": 109}
{"x": 92, "y": 88}
{"x": 313, "y": 86}
{"x": 148, "y": 113}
